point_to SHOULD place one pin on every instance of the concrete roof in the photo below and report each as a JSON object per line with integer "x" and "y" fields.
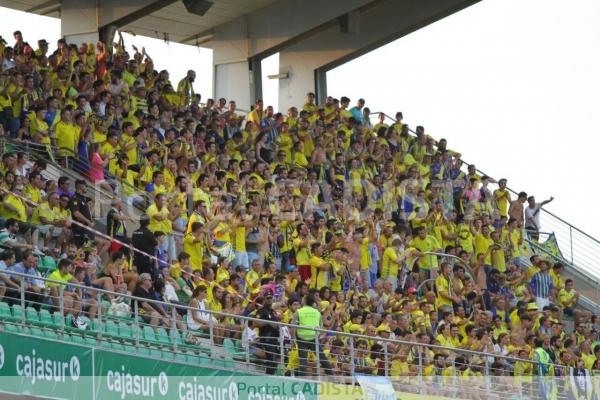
{"x": 173, "y": 19}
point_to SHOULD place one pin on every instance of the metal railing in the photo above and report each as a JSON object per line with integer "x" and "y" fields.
{"x": 74, "y": 171}
{"x": 346, "y": 352}
{"x": 579, "y": 250}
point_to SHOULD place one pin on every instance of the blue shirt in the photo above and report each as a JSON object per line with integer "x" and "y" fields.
{"x": 541, "y": 283}
{"x": 21, "y": 269}
{"x": 357, "y": 114}
{"x": 50, "y": 115}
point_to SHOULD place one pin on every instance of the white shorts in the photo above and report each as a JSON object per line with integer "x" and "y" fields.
{"x": 542, "y": 302}
{"x": 43, "y": 229}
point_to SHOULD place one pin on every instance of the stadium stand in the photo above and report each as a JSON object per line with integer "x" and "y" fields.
{"x": 139, "y": 218}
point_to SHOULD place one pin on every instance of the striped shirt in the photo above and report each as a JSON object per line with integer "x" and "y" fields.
{"x": 541, "y": 283}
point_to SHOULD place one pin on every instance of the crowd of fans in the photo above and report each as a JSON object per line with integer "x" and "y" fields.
{"x": 260, "y": 214}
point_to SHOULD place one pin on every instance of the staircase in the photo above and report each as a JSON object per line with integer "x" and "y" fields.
{"x": 102, "y": 199}
{"x": 578, "y": 251}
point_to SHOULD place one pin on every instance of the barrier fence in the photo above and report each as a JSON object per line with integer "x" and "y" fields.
{"x": 572, "y": 247}
{"x": 412, "y": 366}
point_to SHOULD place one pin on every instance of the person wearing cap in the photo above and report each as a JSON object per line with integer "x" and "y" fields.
{"x": 268, "y": 333}
{"x": 138, "y": 100}
{"x": 42, "y": 49}
{"x": 308, "y": 318}
{"x": 186, "y": 284}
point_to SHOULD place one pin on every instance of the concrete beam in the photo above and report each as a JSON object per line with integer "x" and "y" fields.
{"x": 43, "y": 6}
{"x": 122, "y": 13}
{"x": 260, "y": 32}
{"x": 89, "y": 20}
{"x": 307, "y": 61}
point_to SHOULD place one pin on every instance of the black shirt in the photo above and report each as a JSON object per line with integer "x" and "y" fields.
{"x": 80, "y": 203}
{"x": 143, "y": 240}
{"x": 268, "y": 331}
{"x": 142, "y": 293}
{"x": 115, "y": 227}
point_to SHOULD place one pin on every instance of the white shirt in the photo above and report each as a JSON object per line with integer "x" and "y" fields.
{"x": 170, "y": 293}
{"x": 8, "y": 64}
{"x": 201, "y": 314}
{"x": 532, "y": 216}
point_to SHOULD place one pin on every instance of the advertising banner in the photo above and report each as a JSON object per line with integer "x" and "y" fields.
{"x": 39, "y": 367}
{"x": 121, "y": 377}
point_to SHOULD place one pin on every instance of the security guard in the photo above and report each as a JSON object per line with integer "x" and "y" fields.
{"x": 143, "y": 240}
{"x": 309, "y": 317}
{"x": 545, "y": 370}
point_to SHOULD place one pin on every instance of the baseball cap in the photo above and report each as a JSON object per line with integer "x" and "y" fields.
{"x": 412, "y": 290}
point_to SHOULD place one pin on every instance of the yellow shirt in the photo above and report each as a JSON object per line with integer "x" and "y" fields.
{"x": 37, "y": 126}
{"x": 240, "y": 239}
{"x": 67, "y": 138}
{"x": 399, "y": 368}
{"x": 482, "y": 244}
{"x": 503, "y": 202}
{"x": 442, "y": 285}
{"x": 57, "y": 276}
{"x": 221, "y": 232}
{"x": 175, "y": 270}
{"x": 389, "y": 265}
{"x": 165, "y": 225}
{"x": 195, "y": 250}
{"x": 43, "y": 211}
{"x": 195, "y": 217}
{"x": 445, "y": 341}
{"x": 32, "y": 193}
{"x": 302, "y": 253}
{"x": 21, "y": 212}
{"x": 515, "y": 237}
{"x": 588, "y": 360}
{"x": 62, "y": 213}
{"x": 319, "y": 278}
{"x": 465, "y": 238}
{"x": 222, "y": 274}
{"x": 107, "y": 149}
{"x": 365, "y": 254}
{"x": 128, "y": 180}
{"x": 565, "y": 297}
{"x": 429, "y": 244}
{"x": 199, "y": 194}
{"x": 499, "y": 260}
{"x": 251, "y": 278}
{"x": 127, "y": 141}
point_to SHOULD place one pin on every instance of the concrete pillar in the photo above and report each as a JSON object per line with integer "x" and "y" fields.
{"x": 308, "y": 60}
{"x": 79, "y": 21}
{"x": 240, "y": 45}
